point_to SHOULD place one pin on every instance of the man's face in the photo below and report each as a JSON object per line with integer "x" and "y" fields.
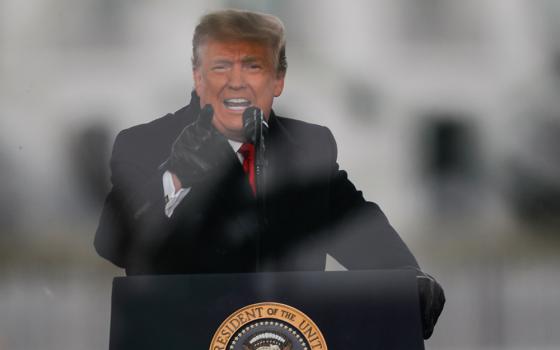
{"x": 233, "y": 76}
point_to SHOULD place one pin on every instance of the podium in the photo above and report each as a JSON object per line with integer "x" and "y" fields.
{"x": 283, "y": 310}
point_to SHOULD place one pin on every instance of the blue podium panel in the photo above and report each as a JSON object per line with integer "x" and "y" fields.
{"x": 302, "y": 310}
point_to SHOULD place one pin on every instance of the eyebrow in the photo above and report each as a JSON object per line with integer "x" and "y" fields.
{"x": 244, "y": 60}
{"x": 221, "y": 61}
{"x": 249, "y": 59}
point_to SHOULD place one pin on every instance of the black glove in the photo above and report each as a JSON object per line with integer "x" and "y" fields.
{"x": 432, "y": 300}
{"x": 199, "y": 152}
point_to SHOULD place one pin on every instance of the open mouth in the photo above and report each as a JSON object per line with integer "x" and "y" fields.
{"x": 237, "y": 104}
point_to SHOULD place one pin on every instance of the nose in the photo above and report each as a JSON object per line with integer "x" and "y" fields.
{"x": 236, "y": 78}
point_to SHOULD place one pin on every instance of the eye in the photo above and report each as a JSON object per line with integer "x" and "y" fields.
{"x": 218, "y": 68}
{"x": 254, "y": 67}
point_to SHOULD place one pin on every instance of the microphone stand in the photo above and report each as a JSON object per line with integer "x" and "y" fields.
{"x": 256, "y": 129}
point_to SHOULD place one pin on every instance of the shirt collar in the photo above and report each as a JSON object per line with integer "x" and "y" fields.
{"x": 236, "y": 145}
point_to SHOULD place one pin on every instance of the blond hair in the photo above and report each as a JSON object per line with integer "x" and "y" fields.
{"x": 237, "y": 25}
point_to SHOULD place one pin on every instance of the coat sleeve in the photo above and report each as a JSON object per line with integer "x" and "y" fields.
{"x": 133, "y": 215}
{"x": 364, "y": 238}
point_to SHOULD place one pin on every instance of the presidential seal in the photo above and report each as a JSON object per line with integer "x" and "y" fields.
{"x": 268, "y": 326}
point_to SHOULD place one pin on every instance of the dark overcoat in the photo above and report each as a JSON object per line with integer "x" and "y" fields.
{"x": 311, "y": 208}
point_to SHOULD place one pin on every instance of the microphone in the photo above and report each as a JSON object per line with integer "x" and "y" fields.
{"x": 255, "y": 126}
{"x": 255, "y": 129}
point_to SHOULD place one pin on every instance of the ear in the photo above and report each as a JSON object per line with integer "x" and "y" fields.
{"x": 197, "y": 79}
{"x": 279, "y": 85}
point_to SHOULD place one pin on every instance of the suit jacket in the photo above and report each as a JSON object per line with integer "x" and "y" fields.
{"x": 312, "y": 209}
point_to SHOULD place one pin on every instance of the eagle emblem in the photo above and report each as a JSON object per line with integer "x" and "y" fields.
{"x": 267, "y": 341}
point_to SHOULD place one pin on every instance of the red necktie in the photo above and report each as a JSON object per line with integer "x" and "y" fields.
{"x": 247, "y": 150}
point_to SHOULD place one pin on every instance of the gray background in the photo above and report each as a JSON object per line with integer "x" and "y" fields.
{"x": 446, "y": 114}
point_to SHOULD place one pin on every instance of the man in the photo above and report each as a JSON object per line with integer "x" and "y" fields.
{"x": 184, "y": 196}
